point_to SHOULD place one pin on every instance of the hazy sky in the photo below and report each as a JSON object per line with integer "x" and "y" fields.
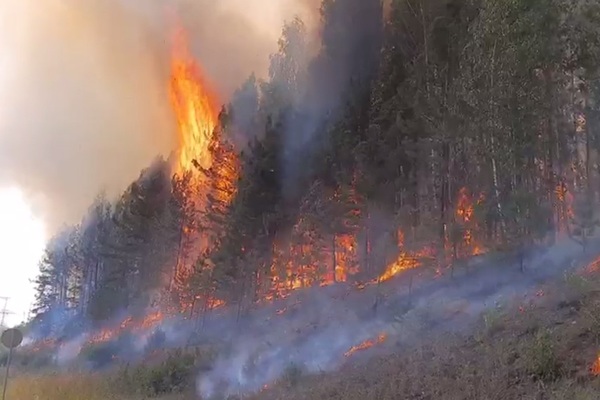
{"x": 84, "y": 102}
{"x": 22, "y": 240}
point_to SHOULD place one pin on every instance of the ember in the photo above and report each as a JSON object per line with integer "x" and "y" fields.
{"x": 564, "y": 207}
{"x": 465, "y": 217}
{"x": 594, "y": 266}
{"x": 366, "y": 344}
{"x": 595, "y": 368}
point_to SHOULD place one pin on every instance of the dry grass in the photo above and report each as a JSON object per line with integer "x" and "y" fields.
{"x": 541, "y": 352}
{"x": 71, "y": 387}
{"x": 55, "y": 387}
{"x": 538, "y": 353}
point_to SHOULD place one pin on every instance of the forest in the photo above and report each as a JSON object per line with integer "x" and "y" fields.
{"x": 420, "y": 133}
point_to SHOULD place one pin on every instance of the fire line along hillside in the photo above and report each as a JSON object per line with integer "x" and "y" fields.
{"x": 430, "y": 163}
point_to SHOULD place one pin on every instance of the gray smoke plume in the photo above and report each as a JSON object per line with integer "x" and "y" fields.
{"x": 336, "y": 84}
{"x": 83, "y": 86}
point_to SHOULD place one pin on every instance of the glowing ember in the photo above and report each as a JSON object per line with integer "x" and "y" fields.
{"x": 564, "y": 207}
{"x": 595, "y": 368}
{"x": 594, "y": 266}
{"x": 366, "y": 344}
{"x": 464, "y": 216}
{"x": 464, "y": 208}
{"x": 194, "y": 104}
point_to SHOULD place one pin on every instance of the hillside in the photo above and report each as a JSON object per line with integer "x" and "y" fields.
{"x": 541, "y": 344}
{"x": 545, "y": 351}
{"x": 431, "y": 160}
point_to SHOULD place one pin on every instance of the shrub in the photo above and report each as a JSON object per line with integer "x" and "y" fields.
{"x": 174, "y": 374}
{"x": 291, "y": 375}
{"x": 541, "y": 359}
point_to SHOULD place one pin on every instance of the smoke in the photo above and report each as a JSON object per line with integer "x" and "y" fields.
{"x": 83, "y": 86}
{"x": 338, "y": 80}
{"x": 329, "y": 321}
{"x": 312, "y": 330}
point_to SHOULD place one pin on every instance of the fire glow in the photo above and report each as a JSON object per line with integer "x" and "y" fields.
{"x": 367, "y": 344}
{"x": 595, "y": 368}
{"x": 194, "y": 105}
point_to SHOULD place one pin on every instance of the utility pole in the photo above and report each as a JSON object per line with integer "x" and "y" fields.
{"x": 4, "y": 311}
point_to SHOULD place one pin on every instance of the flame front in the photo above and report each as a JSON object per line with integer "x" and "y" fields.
{"x": 366, "y": 344}
{"x": 194, "y": 104}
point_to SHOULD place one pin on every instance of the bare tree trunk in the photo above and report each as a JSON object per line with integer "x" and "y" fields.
{"x": 179, "y": 256}
{"x": 493, "y": 110}
{"x": 368, "y": 244}
{"x": 334, "y": 258}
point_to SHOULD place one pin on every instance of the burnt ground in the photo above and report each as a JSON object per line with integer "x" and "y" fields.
{"x": 535, "y": 335}
{"x": 543, "y": 347}
{"x": 320, "y": 325}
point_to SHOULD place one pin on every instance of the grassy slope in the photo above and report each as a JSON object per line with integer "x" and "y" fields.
{"x": 541, "y": 352}
{"x": 544, "y": 352}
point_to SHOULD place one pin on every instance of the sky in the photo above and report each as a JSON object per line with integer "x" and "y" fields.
{"x": 22, "y": 240}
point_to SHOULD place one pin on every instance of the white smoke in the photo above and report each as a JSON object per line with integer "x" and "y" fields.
{"x": 83, "y": 86}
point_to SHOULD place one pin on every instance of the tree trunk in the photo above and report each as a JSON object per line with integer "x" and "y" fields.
{"x": 334, "y": 258}
{"x": 493, "y": 112}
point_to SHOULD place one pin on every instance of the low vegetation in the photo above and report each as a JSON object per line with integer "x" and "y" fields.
{"x": 522, "y": 351}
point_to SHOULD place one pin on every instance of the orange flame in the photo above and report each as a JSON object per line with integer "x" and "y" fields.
{"x": 465, "y": 216}
{"x": 194, "y": 104}
{"x": 564, "y": 207}
{"x": 405, "y": 261}
{"x": 594, "y": 266}
{"x": 366, "y": 344}
{"x": 595, "y": 368}
{"x": 128, "y": 324}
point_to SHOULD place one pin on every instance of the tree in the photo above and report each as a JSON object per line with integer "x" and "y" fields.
{"x": 584, "y": 219}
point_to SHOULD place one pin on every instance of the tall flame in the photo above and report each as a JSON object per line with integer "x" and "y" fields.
{"x": 194, "y": 104}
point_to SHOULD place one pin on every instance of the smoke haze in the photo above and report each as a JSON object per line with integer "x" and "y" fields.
{"x": 313, "y": 329}
{"x": 83, "y": 86}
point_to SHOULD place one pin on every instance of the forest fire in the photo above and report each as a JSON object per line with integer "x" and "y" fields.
{"x": 302, "y": 262}
{"x": 201, "y": 148}
{"x": 366, "y": 344}
{"x": 405, "y": 260}
{"x": 194, "y": 104}
{"x": 306, "y": 262}
{"x": 465, "y": 210}
{"x": 128, "y": 324}
{"x": 564, "y": 207}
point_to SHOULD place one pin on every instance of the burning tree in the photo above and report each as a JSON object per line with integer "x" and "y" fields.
{"x": 447, "y": 123}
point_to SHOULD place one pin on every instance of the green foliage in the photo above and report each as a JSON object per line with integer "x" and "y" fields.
{"x": 99, "y": 355}
{"x": 493, "y": 320}
{"x": 291, "y": 375}
{"x": 172, "y": 375}
{"x": 541, "y": 359}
